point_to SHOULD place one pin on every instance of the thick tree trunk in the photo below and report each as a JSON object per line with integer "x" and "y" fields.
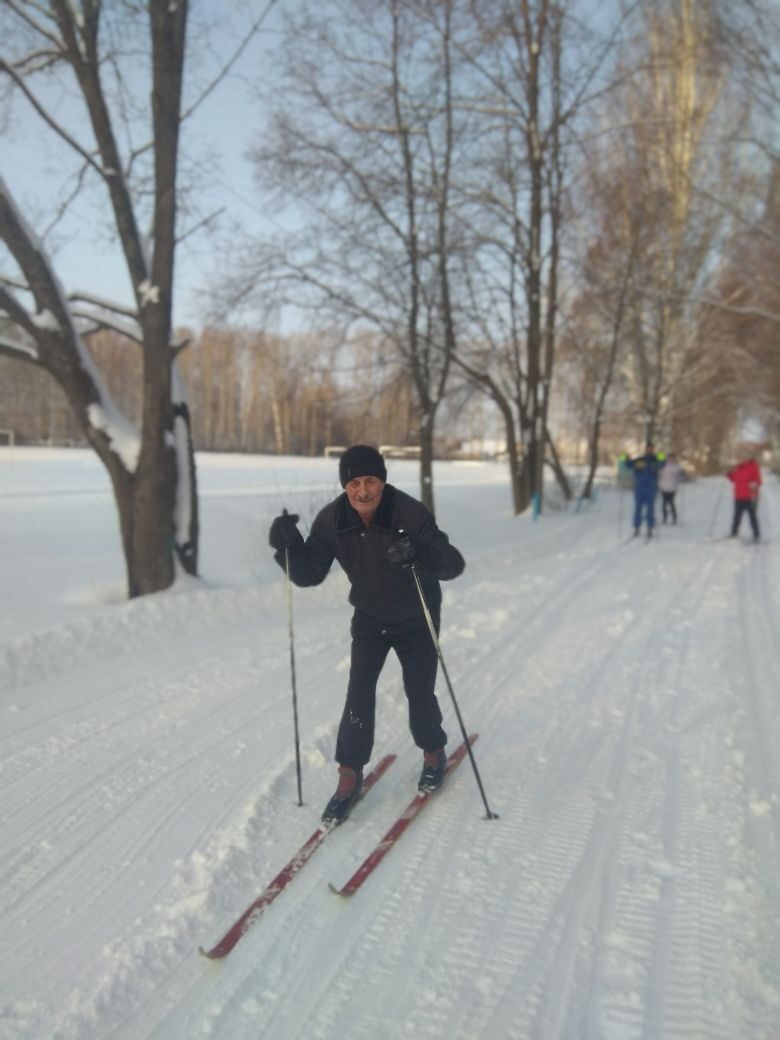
{"x": 426, "y": 462}
{"x": 529, "y": 469}
{"x": 153, "y": 533}
{"x": 158, "y": 511}
{"x": 520, "y": 497}
{"x": 593, "y": 458}
{"x": 554, "y": 462}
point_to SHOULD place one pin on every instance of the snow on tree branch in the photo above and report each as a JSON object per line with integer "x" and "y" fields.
{"x": 59, "y": 344}
{"x": 45, "y": 320}
{"x": 123, "y": 436}
{"x": 101, "y": 323}
{"x": 16, "y": 349}
{"x": 102, "y": 304}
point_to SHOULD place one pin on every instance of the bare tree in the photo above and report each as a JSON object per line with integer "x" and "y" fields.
{"x": 362, "y": 142}
{"x": 532, "y": 67}
{"x": 592, "y": 339}
{"x": 151, "y": 469}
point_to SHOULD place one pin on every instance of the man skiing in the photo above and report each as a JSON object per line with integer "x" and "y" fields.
{"x": 377, "y": 532}
{"x": 746, "y": 478}
{"x": 645, "y": 469}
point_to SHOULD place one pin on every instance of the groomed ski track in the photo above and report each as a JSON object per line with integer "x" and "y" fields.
{"x": 628, "y": 704}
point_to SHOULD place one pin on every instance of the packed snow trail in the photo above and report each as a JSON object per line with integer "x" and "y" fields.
{"x": 627, "y": 701}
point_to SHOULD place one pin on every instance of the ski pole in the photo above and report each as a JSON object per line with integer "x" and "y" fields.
{"x": 292, "y": 671}
{"x": 432, "y": 630}
{"x": 715, "y": 510}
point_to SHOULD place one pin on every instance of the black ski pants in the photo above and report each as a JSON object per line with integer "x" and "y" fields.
{"x": 744, "y": 505}
{"x": 669, "y": 506}
{"x": 419, "y": 661}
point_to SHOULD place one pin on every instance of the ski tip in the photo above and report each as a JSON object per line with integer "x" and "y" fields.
{"x": 210, "y": 955}
{"x": 338, "y": 891}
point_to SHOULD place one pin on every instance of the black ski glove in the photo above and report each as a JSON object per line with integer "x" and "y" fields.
{"x": 408, "y": 549}
{"x": 284, "y": 533}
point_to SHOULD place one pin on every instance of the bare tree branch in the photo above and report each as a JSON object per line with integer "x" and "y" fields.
{"x": 47, "y": 118}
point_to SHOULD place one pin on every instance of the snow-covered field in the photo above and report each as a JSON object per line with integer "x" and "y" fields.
{"x": 627, "y": 698}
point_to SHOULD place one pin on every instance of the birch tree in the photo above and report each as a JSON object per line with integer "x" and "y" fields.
{"x": 741, "y": 309}
{"x": 678, "y": 136}
{"x": 674, "y": 170}
{"x": 594, "y": 324}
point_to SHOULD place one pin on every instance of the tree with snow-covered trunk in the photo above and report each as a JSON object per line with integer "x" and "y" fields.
{"x": 152, "y": 468}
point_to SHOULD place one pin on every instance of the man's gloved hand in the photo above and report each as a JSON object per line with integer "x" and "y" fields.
{"x": 408, "y": 549}
{"x": 284, "y": 533}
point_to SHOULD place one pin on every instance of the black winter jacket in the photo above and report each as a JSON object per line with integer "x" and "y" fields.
{"x": 387, "y": 596}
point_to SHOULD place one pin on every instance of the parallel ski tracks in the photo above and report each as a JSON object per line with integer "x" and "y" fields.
{"x": 611, "y": 923}
{"x": 680, "y": 967}
{"x": 58, "y": 808}
{"x": 573, "y": 837}
{"x": 548, "y": 941}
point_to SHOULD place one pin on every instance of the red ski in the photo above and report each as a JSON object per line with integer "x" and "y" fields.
{"x": 285, "y": 875}
{"x": 400, "y": 825}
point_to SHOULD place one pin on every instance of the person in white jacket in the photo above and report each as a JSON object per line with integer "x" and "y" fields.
{"x": 668, "y": 481}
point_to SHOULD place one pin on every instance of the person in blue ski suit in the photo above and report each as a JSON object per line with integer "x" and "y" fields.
{"x": 645, "y": 469}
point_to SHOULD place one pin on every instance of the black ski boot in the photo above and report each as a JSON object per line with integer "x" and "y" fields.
{"x": 347, "y": 793}
{"x": 434, "y": 766}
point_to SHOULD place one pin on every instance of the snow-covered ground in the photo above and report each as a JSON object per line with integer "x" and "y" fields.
{"x": 627, "y": 698}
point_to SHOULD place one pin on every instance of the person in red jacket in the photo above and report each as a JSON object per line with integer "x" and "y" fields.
{"x": 746, "y": 478}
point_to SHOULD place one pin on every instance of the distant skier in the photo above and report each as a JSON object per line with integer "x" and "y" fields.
{"x": 668, "y": 482}
{"x": 376, "y": 532}
{"x": 645, "y": 469}
{"x": 746, "y": 478}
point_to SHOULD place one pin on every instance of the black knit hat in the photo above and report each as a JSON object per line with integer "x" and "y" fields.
{"x": 361, "y": 461}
